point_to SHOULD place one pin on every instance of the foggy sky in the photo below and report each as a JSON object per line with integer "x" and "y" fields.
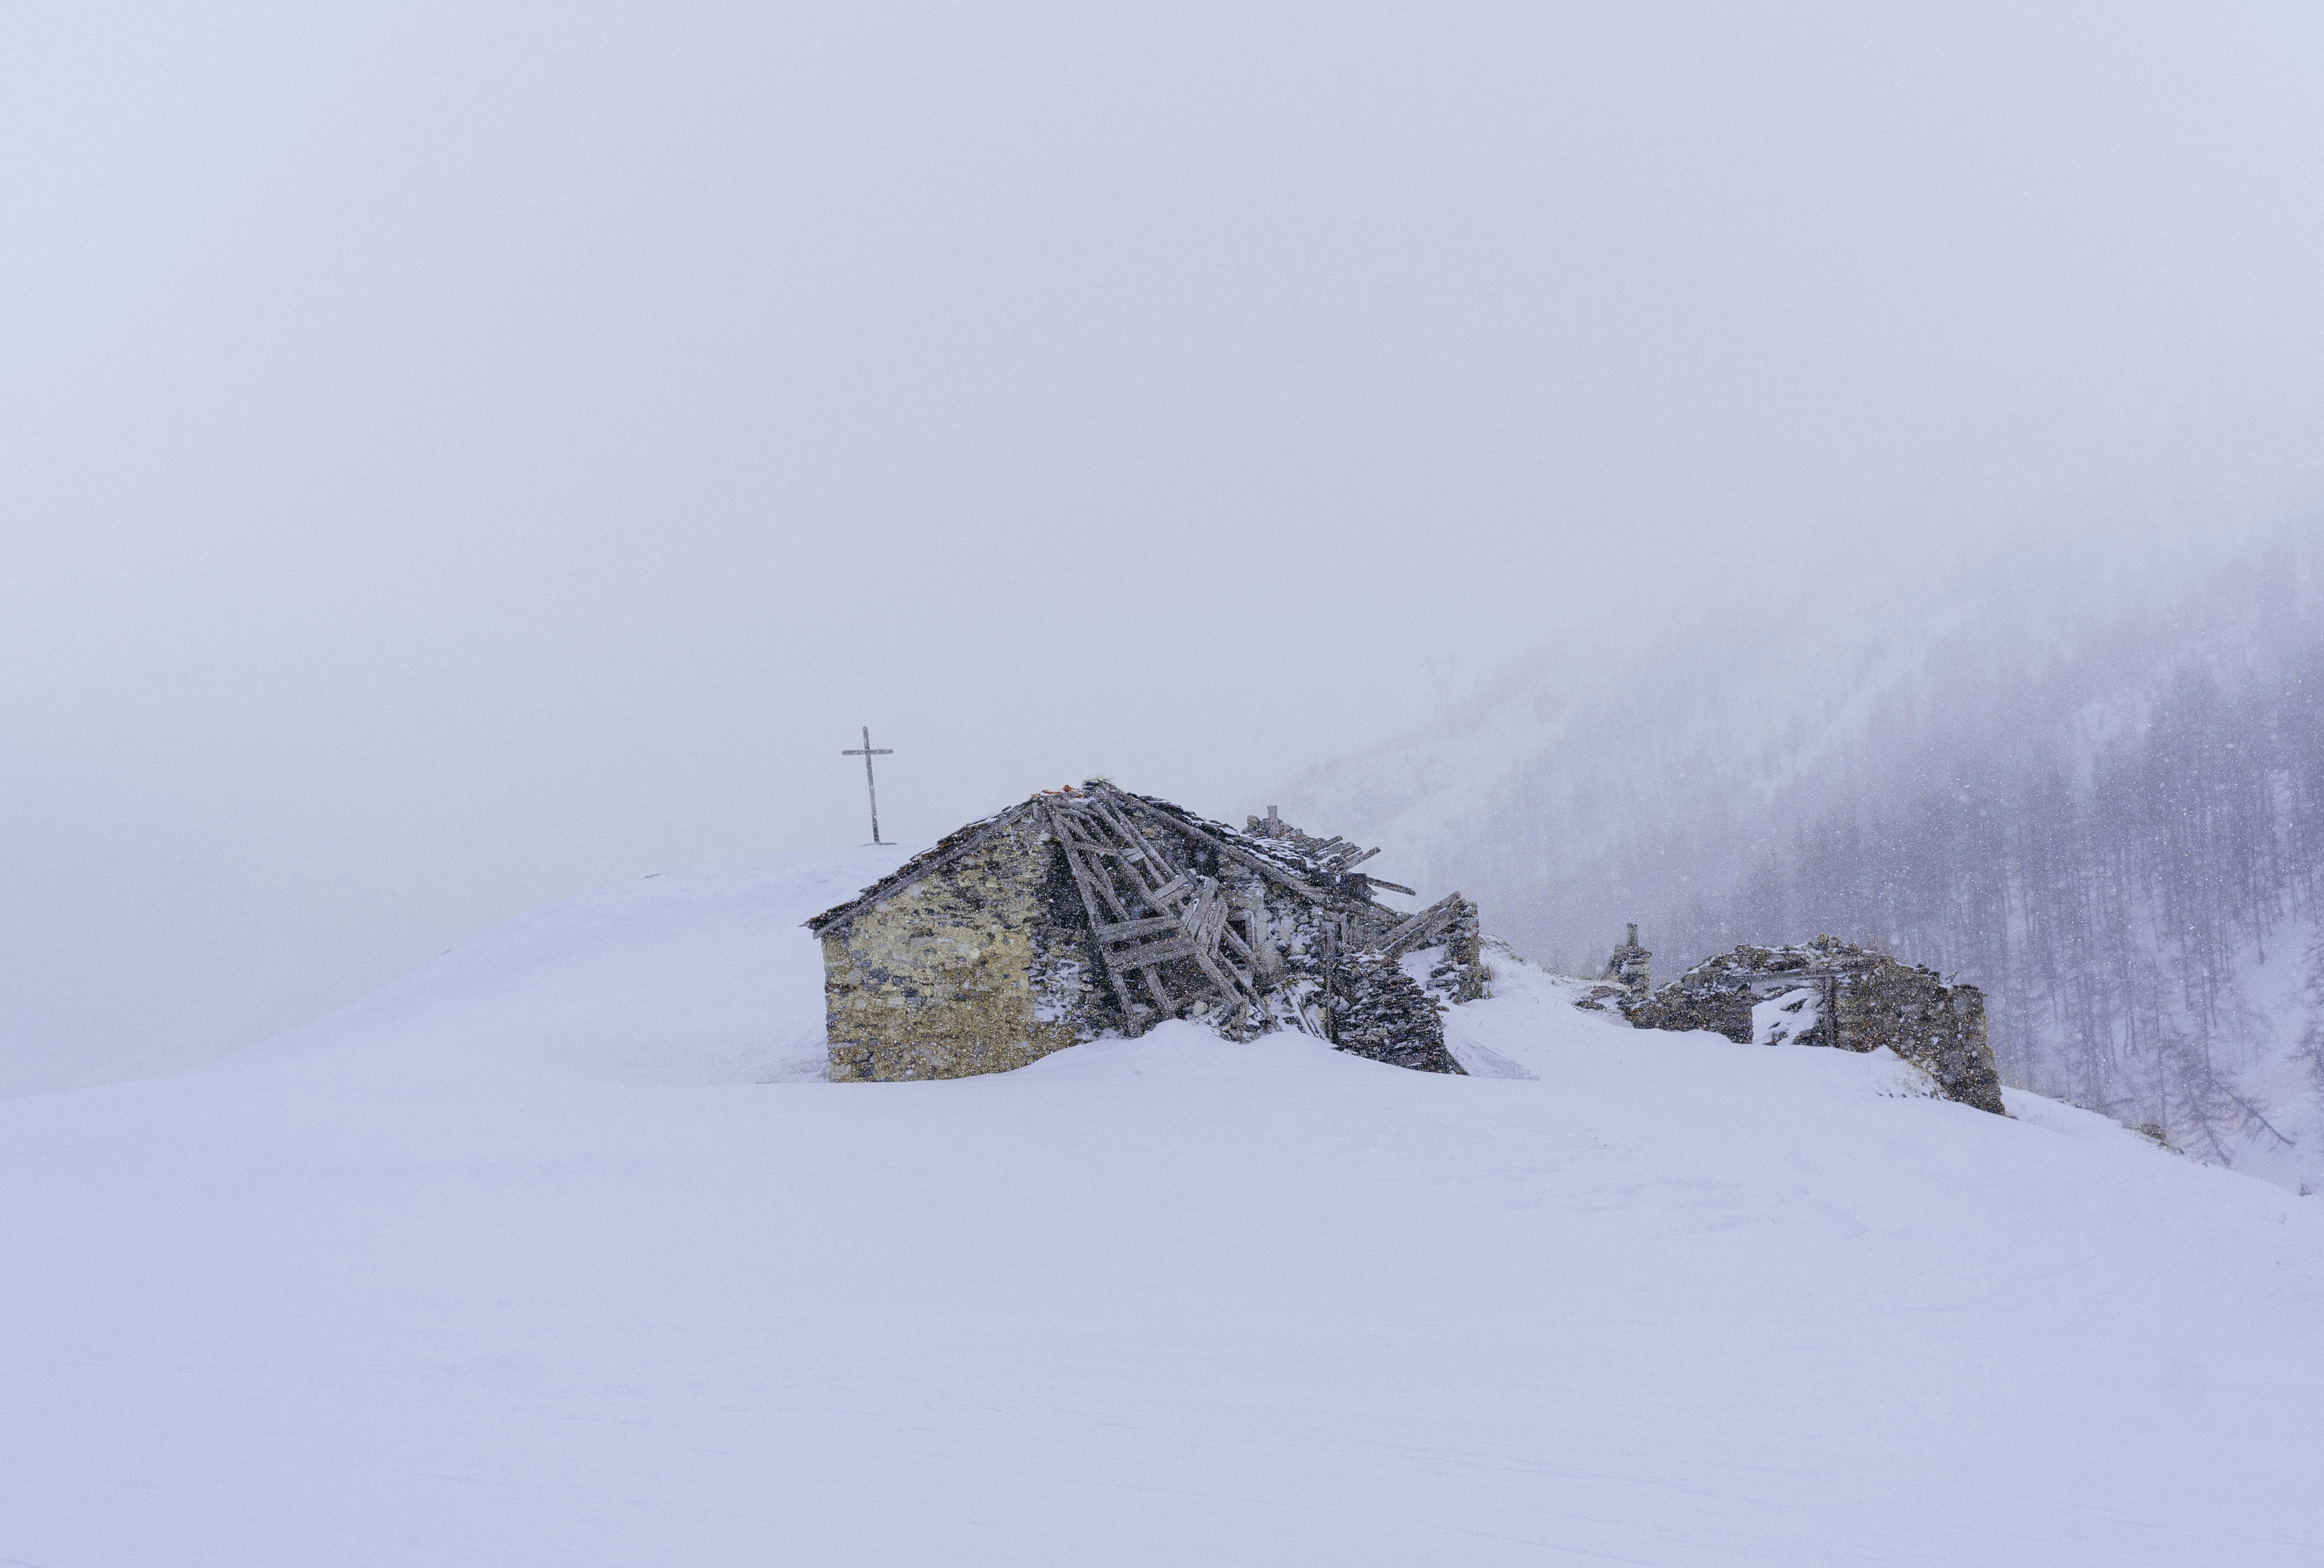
{"x": 451, "y": 455}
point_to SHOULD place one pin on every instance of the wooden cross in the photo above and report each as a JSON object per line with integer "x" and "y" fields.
{"x": 867, "y": 753}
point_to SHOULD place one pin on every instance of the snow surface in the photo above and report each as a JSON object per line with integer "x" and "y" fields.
{"x": 1781, "y": 1020}
{"x": 557, "y": 1253}
{"x": 2286, "y": 1145}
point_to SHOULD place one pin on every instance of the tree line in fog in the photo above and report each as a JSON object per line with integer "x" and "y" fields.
{"x": 2107, "y": 905}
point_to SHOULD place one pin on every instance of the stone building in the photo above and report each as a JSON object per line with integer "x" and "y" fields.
{"x": 1090, "y": 911}
{"x": 1829, "y": 993}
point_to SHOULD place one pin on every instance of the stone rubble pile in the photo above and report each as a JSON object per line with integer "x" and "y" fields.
{"x": 1824, "y": 992}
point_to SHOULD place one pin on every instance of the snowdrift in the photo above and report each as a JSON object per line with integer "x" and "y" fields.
{"x": 558, "y": 1253}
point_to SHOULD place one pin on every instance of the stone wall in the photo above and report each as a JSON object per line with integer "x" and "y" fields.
{"x": 1382, "y": 1014}
{"x": 1829, "y": 993}
{"x": 1456, "y": 971}
{"x": 1626, "y": 982}
{"x": 979, "y": 965}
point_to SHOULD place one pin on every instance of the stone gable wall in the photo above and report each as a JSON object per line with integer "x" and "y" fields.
{"x": 981, "y": 966}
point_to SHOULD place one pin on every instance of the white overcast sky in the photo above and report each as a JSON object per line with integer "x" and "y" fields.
{"x": 452, "y": 454}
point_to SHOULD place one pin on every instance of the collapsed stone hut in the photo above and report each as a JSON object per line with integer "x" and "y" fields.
{"x": 1824, "y": 992}
{"x": 1090, "y": 910}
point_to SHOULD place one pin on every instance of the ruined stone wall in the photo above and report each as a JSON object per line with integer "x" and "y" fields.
{"x": 1457, "y": 970}
{"x": 1378, "y": 1011}
{"x": 1829, "y": 993}
{"x": 979, "y": 967}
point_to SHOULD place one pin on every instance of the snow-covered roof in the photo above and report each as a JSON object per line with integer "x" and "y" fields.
{"x": 1315, "y": 869}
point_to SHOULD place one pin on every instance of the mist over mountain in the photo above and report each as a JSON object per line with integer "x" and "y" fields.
{"x": 2091, "y": 781}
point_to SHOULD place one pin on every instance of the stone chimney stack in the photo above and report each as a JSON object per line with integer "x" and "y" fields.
{"x": 1627, "y": 968}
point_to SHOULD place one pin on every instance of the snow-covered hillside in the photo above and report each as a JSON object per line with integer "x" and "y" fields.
{"x": 2092, "y": 787}
{"x": 557, "y": 1253}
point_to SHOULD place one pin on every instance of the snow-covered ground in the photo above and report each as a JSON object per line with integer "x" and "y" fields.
{"x": 557, "y": 1253}
{"x": 2283, "y": 1143}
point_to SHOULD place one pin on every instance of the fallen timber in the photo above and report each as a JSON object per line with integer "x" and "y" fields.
{"x": 1113, "y": 843}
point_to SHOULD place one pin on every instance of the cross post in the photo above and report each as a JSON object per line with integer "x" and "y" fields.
{"x": 871, "y": 789}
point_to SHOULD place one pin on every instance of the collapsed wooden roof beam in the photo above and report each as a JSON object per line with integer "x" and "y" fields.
{"x": 1259, "y": 863}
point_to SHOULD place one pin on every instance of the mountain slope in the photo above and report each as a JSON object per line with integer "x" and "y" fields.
{"x": 2093, "y": 786}
{"x": 1624, "y": 774}
{"x": 525, "y": 1261}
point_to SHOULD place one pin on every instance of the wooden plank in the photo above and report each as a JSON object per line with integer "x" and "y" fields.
{"x": 1093, "y": 849}
{"x": 1202, "y": 918}
{"x": 1107, "y": 891}
{"x": 1090, "y": 819}
{"x": 1090, "y": 832}
{"x": 1208, "y": 918}
{"x": 1197, "y": 909}
{"x": 1155, "y": 859}
{"x": 1422, "y": 925}
{"x": 1168, "y": 950}
{"x": 1145, "y": 959}
{"x": 1112, "y": 819}
{"x": 1410, "y": 930}
{"x": 1113, "y": 980}
{"x": 1127, "y": 839}
{"x": 1224, "y": 975}
{"x": 1162, "y": 1000}
{"x": 1101, "y": 837}
{"x": 1239, "y": 947}
{"x": 1071, "y": 829}
{"x": 1227, "y": 990}
{"x": 1259, "y": 863}
{"x": 1124, "y": 930}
